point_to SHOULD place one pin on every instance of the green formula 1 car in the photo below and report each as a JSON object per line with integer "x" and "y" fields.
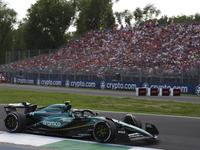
{"x": 61, "y": 120}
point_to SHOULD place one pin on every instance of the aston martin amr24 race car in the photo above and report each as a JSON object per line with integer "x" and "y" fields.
{"x": 61, "y": 120}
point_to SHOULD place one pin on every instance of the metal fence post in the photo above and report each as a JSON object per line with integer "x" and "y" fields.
{"x": 39, "y": 66}
{"x": 49, "y": 64}
{"x": 183, "y": 63}
{"x": 161, "y": 64}
{"x": 122, "y": 63}
{"x": 75, "y": 65}
{"x": 28, "y": 62}
{"x": 9, "y": 66}
{"x": 141, "y": 63}
{"x": 90, "y": 71}
{"x": 18, "y": 62}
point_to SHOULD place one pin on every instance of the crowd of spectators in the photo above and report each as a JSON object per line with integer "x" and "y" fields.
{"x": 150, "y": 50}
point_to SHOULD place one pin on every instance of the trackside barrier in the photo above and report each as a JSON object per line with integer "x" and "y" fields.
{"x": 1, "y": 78}
{"x": 107, "y": 85}
{"x": 160, "y": 92}
{"x": 140, "y": 91}
{"x": 152, "y": 91}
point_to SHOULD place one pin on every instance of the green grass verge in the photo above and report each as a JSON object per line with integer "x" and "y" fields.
{"x": 101, "y": 103}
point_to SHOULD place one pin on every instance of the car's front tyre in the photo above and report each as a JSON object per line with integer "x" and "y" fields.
{"x": 133, "y": 120}
{"x": 104, "y": 131}
{"x": 15, "y": 122}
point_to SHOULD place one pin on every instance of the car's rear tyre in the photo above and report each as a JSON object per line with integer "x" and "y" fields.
{"x": 15, "y": 122}
{"x": 104, "y": 131}
{"x": 133, "y": 120}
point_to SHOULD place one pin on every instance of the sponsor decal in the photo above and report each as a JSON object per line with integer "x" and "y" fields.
{"x": 82, "y": 84}
{"x": 148, "y": 125}
{"x": 153, "y": 92}
{"x": 50, "y": 82}
{"x": 198, "y": 90}
{"x": 43, "y": 117}
{"x": 142, "y": 91}
{"x": 134, "y": 135}
{"x": 24, "y": 81}
{"x": 84, "y": 134}
{"x": 145, "y": 85}
{"x": 38, "y": 81}
{"x": 90, "y": 129}
{"x": 67, "y": 83}
{"x": 120, "y": 86}
{"x": 176, "y": 92}
{"x": 165, "y": 92}
{"x": 183, "y": 89}
{"x": 32, "y": 114}
{"x": 51, "y": 123}
{"x": 102, "y": 85}
{"x": 67, "y": 120}
{"x": 54, "y": 108}
{"x": 121, "y": 132}
{"x": 15, "y": 80}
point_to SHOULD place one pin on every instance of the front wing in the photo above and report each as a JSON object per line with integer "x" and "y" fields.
{"x": 150, "y": 133}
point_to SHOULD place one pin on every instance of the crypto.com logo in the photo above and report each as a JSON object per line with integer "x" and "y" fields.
{"x": 145, "y": 85}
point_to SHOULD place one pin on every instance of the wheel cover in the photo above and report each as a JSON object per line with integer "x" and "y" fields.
{"x": 102, "y": 132}
{"x": 11, "y": 122}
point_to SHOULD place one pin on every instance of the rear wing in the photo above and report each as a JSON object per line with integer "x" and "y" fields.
{"x": 12, "y": 107}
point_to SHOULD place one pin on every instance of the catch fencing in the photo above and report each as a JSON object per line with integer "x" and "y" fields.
{"x": 143, "y": 63}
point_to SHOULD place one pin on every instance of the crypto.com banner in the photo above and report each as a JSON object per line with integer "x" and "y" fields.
{"x": 110, "y": 85}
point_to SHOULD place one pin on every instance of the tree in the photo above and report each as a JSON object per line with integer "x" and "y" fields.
{"x": 148, "y": 13}
{"x": 47, "y": 22}
{"x": 7, "y": 21}
{"x": 182, "y": 19}
{"x": 138, "y": 15}
{"x": 91, "y": 14}
{"x": 197, "y": 17}
{"x": 126, "y": 15}
{"x": 163, "y": 20}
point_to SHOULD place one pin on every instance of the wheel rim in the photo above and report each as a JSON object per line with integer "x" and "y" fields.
{"x": 11, "y": 122}
{"x": 102, "y": 132}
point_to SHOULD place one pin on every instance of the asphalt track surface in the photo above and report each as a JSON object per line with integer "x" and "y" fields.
{"x": 176, "y": 133}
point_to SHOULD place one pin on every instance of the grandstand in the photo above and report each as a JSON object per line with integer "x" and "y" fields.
{"x": 159, "y": 54}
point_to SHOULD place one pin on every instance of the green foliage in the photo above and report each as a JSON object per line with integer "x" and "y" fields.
{"x": 92, "y": 14}
{"x": 101, "y": 102}
{"x": 126, "y": 15}
{"x": 7, "y": 21}
{"x": 47, "y": 23}
{"x": 149, "y": 12}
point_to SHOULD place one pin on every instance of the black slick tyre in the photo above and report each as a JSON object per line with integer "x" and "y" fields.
{"x": 104, "y": 131}
{"x": 133, "y": 120}
{"x": 15, "y": 122}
